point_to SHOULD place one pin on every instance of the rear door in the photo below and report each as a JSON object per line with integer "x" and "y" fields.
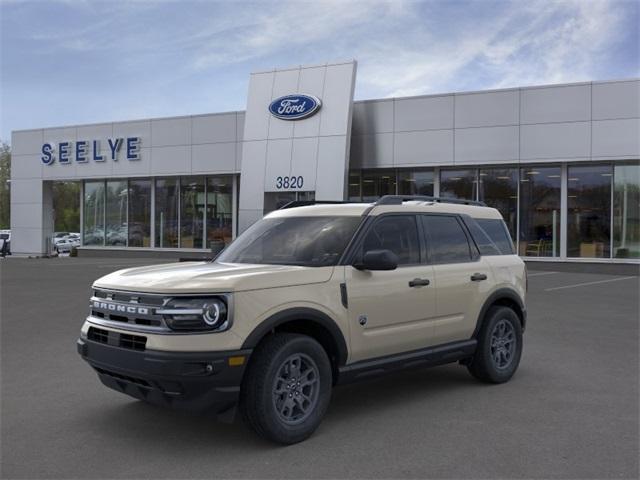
{"x": 391, "y": 311}
{"x": 462, "y": 277}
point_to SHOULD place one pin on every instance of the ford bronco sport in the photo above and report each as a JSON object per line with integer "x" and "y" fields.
{"x": 310, "y": 297}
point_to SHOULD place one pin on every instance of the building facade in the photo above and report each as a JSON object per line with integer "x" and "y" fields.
{"x": 560, "y": 162}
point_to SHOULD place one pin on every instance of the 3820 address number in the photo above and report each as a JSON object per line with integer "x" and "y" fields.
{"x": 289, "y": 182}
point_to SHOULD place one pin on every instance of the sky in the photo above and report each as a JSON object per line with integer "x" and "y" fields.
{"x": 79, "y": 61}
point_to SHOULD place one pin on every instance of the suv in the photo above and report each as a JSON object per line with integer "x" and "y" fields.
{"x": 310, "y": 297}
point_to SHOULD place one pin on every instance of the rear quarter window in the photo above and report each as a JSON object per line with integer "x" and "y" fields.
{"x": 491, "y": 236}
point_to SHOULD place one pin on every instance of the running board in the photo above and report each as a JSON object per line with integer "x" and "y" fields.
{"x": 426, "y": 357}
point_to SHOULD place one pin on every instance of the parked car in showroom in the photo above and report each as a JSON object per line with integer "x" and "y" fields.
{"x": 310, "y": 297}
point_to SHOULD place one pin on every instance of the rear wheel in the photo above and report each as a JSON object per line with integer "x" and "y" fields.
{"x": 499, "y": 346}
{"x": 287, "y": 388}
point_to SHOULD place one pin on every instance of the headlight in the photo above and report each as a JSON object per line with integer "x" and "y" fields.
{"x": 196, "y": 314}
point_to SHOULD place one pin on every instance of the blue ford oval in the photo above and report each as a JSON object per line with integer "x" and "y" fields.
{"x": 294, "y": 107}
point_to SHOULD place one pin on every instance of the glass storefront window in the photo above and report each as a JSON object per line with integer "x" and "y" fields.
{"x": 626, "y": 211}
{"x": 458, "y": 184}
{"x": 219, "y": 212}
{"x": 589, "y": 211}
{"x": 355, "y": 194}
{"x": 166, "y": 211}
{"x": 498, "y": 188}
{"x": 540, "y": 212}
{"x": 116, "y": 216}
{"x": 415, "y": 182}
{"x": 192, "y": 206}
{"x": 377, "y": 183}
{"x": 139, "y": 213}
{"x": 93, "y": 224}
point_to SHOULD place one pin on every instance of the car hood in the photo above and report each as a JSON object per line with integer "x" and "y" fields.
{"x": 206, "y": 277}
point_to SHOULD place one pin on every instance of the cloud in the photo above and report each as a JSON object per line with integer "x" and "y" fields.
{"x": 534, "y": 43}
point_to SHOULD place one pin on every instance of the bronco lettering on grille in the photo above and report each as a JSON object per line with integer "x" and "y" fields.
{"x": 118, "y": 307}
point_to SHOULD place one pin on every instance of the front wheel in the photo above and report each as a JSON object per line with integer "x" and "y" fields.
{"x": 287, "y": 388}
{"x": 499, "y": 346}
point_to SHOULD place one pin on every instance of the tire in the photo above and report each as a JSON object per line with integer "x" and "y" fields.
{"x": 275, "y": 406}
{"x": 499, "y": 346}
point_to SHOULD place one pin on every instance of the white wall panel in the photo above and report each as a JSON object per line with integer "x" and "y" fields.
{"x": 422, "y": 148}
{"x": 254, "y": 156}
{"x": 301, "y": 164}
{"x": 338, "y": 95}
{"x": 423, "y": 113}
{"x": 213, "y": 158}
{"x": 26, "y": 142}
{"x": 26, "y": 166}
{"x": 616, "y": 138}
{"x": 486, "y": 144}
{"x": 555, "y": 104}
{"x": 613, "y": 100}
{"x": 213, "y": 128}
{"x": 278, "y": 162}
{"x": 331, "y": 174}
{"x": 555, "y": 141}
{"x": 256, "y": 126}
{"x": 171, "y": 160}
{"x": 487, "y": 109}
{"x": 171, "y": 132}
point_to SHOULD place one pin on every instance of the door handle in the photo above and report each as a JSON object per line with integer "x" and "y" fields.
{"x": 477, "y": 277}
{"x": 419, "y": 282}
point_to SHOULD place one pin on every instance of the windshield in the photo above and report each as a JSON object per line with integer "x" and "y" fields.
{"x": 304, "y": 241}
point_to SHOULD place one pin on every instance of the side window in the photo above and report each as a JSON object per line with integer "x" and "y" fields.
{"x": 447, "y": 241}
{"x": 497, "y": 231}
{"x": 398, "y": 233}
{"x": 484, "y": 243}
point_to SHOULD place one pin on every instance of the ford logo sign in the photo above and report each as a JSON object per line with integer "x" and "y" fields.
{"x": 294, "y": 107}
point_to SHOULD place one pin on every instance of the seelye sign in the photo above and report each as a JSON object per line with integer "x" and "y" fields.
{"x": 295, "y": 107}
{"x": 84, "y": 150}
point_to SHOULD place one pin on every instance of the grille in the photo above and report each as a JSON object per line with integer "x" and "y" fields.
{"x": 122, "y": 340}
{"x": 128, "y": 308}
{"x": 98, "y": 335}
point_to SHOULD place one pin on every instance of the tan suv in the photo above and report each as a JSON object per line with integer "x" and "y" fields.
{"x": 310, "y": 297}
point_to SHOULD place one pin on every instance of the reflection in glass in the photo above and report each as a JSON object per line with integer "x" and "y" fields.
{"x": 93, "y": 227}
{"x": 626, "y": 211}
{"x": 415, "y": 182}
{"x": 116, "y": 213}
{"x": 499, "y": 189}
{"x": 192, "y": 207}
{"x": 219, "y": 214}
{"x": 458, "y": 184}
{"x": 540, "y": 211}
{"x": 140, "y": 213}
{"x": 166, "y": 212}
{"x": 276, "y": 200}
{"x": 376, "y": 183}
{"x": 589, "y": 211}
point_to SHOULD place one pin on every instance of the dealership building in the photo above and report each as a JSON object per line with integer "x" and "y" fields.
{"x": 560, "y": 162}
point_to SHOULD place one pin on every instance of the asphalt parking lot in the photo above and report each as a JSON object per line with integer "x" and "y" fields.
{"x": 571, "y": 411}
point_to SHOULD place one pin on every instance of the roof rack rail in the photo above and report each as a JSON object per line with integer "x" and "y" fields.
{"x": 399, "y": 199}
{"x": 306, "y": 203}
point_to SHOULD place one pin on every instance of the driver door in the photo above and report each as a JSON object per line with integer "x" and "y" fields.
{"x": 389, "y": 311}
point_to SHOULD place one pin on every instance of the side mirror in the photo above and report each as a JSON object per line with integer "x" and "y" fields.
{"x": 378, "y": 260}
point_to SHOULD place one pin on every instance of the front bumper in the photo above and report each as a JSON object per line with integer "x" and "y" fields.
{"x": 195, "y": 381}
